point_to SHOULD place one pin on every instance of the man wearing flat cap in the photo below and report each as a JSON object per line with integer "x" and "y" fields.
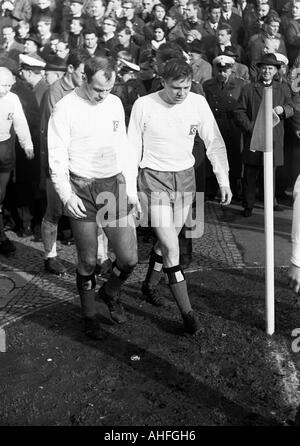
{"x": 55, "y": 69}
{"x": 32, "y": 45}
{"x": 202, "y": 70}
{"x": 245, "y": 115}
{"x": 222, "y": 93}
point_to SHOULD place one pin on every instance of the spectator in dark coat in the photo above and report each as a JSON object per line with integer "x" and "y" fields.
{"x": 11, "y": 47}
{"x": 158, "y": 15}
{"x": 173, "y": 22}
{"x": 41, "y": 9}
{"x": 245, "y": 115}
{"x": 126, "y": 43}
{"x": 229, "y": 17}
{"x": 222, "y": 93}
{"x": 209, "y": 30}
{"x": 224, "y": 40}
{"x": 293, "y": 33}
{"x": 75, "y": 37}
{"x": 132, "y": 21}
{"x": 16, "y": 10}
{"x": 202, "y": 70}
{"x": 269, "y": 31}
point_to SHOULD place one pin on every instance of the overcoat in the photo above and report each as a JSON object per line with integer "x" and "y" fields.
{"x": 246, "y": 112}
{"x": 222, "y": 102}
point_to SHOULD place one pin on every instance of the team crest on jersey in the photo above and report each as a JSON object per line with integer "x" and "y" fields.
{"x": 10, "y": 116}
{"x": 115, "y": 125}
{"x": 193, "y": 129}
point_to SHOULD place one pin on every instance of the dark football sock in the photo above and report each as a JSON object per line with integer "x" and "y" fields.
{"x": 116, "y": 280}
{"x": 86, "y": 288}
{"x": 177, "y": 284}
{"x": 154, "y": 270}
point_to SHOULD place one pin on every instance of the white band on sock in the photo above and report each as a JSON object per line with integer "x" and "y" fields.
{"x": 157, "y": 266}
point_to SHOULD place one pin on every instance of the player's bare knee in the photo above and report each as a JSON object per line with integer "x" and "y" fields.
{"x": 171, "y": 252}
{"x": 87, "y": 264}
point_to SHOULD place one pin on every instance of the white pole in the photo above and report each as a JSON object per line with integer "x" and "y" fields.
{"x": 268, "y": 215}
{"x": 2, "y": 341}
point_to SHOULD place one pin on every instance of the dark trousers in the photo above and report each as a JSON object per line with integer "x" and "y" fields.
{"x": 249, "y": 184}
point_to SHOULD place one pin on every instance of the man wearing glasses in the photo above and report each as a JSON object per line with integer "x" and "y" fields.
{"x": 108, "y": 40}
{"x": 133, "y": 22}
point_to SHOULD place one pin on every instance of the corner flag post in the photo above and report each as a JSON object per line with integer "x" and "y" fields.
{"x": 268, "y": 214}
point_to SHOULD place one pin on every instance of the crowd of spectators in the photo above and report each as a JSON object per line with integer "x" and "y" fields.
{"x": 44, "y": 44}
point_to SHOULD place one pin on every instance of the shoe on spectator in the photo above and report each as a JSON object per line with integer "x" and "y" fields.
{"x": 93, "y": 329}
{"x": 190, "y": 322}
{"x": 25, "y": 231}
{"x": 114, "y": 304}
{"x": 247, "y": 212}
{"x": 54, "y": 266}
{"x": 152, "y": 296}
{"x": 7, "y": 247}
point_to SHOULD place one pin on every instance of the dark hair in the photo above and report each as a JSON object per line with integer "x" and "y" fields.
{"x": 161, "y": 25}
{"x": 159, "y": 5}
{"x": 90, "y": 30}
{"x": 169, "y": 51}
{"x": 9, "y": 25}
{"x": 77, "y": 56}
{"x": 45, "y": 18}
{"x": 181, "y": 42}
{"x": 173, "y": 14}
{"x": 95, "y": 64}
{"x": 177, "y": 69}
{"x": 126, "y": 29}
{"x": 226, "y": 27}
{"x": 80, "y": 20}
{"x": 272, "y": 18}
{"x": 214, "y": 4}
{"x": 195, "y": 4}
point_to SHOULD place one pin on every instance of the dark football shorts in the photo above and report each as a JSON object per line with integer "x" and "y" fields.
{"x": 166, "y": 188}
{"x": 105, "y": 199}
{"x": 7, "y": 155}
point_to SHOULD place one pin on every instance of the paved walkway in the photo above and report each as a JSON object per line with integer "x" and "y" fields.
{"x": 227, "y": 241}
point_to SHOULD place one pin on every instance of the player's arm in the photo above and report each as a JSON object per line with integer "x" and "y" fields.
{"x": 58, "y": 143}
{"x": 294, "y": 270}
{"x": 22, "y": 129}
{"x": 215, "y": 149}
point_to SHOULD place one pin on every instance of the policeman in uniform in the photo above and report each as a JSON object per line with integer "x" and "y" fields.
{"x": 222, "y": 93}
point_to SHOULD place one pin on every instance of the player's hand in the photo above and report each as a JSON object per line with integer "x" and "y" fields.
{"x": 75, "y": 207}
{"x": 298, "y": 133}
{"x": 294, "y": 278}
{"x": 226, "y": 195}
{"x": 29, "y": 153}
{"x": 136, "y": 206}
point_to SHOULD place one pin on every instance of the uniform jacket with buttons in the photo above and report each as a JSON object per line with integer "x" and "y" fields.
{"x": 222, "y": 102}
